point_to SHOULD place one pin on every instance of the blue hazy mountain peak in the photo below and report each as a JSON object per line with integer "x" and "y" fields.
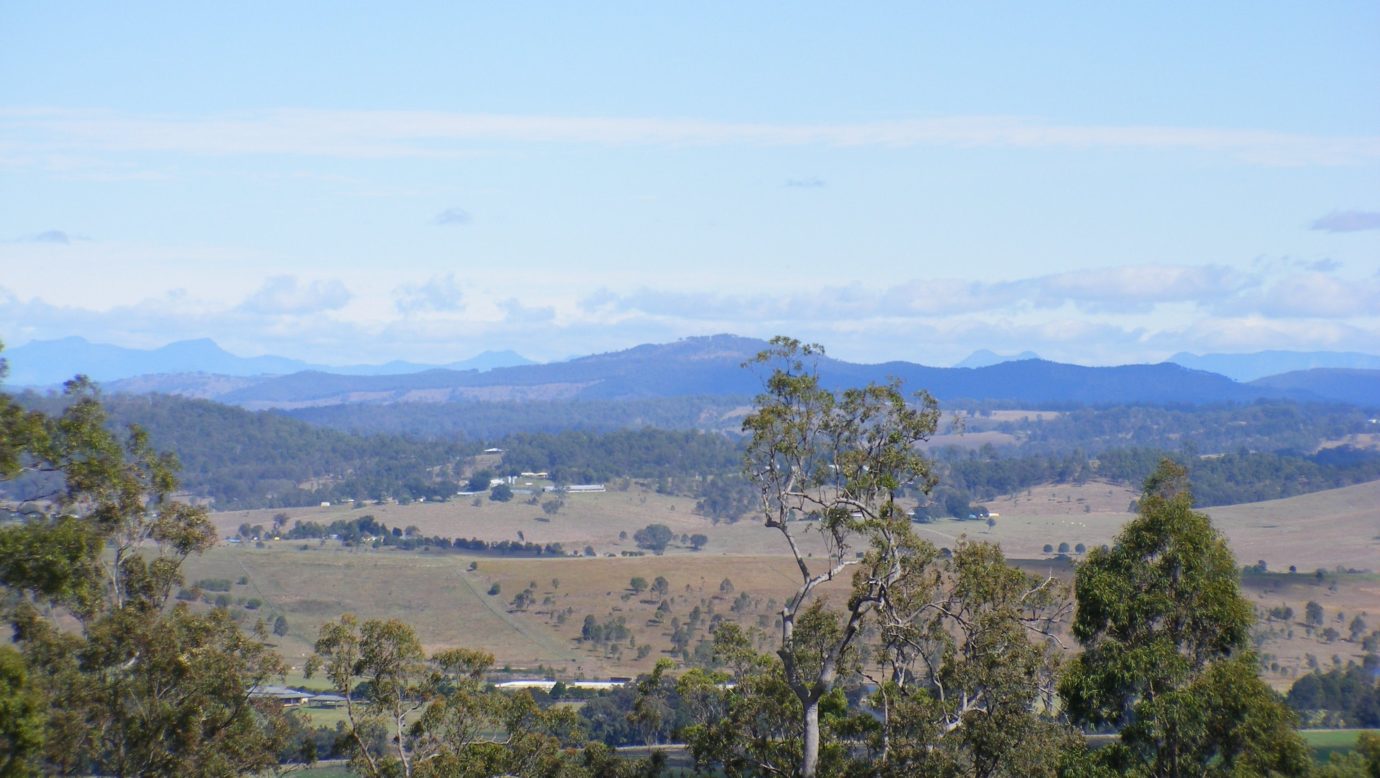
{"x": 1259, "y": 364}
{"x": 986, "y": 358}
{"x": 50, "y": 362}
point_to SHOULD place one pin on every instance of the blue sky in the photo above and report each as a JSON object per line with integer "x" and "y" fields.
{"x": 348, "y": 182}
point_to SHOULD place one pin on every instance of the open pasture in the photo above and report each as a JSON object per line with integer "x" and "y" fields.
{"x": 434, "y": 593}
{"x": 449, "y": 604}
{"x": 595, "y": 519}
{"x": 1292, "y": 647}
{"x": 1324, "y": 529}
{"x": 1326, "y": 742}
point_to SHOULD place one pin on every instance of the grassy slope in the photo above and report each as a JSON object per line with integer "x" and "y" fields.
{"x": 449, "y": 605}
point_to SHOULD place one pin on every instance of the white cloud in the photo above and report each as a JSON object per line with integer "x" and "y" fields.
{"x": 46, "y": 132}
{"x": 516, "y": 313}
{"x": 1318, "y": 295}
{"x": 1136, "y": 288}
{"x": 439, "y": 293}
{"x": 288, "y": 295}
{"x": 1123, "y": 290}
{"x": 1255, "y": 333}
{"x": 1348, "y": 221}
{"x": 452, "y": 217}
{"x": 1098, "y": 315}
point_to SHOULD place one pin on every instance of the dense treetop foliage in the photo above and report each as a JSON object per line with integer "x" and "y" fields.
{"x": 1343, "y": 696}
{"x": 105, "y": 675}
{"x": 1166, "y": 651}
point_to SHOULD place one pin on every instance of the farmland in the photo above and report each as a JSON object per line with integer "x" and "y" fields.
{"x": 741, "y": 574}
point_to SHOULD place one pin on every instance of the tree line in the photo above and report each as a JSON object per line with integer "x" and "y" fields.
{"x": 243, "y": 459}
{"x": 1227, "y": 479}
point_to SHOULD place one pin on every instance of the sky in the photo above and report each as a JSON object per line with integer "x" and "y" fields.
{"x": 1101, "y": 183}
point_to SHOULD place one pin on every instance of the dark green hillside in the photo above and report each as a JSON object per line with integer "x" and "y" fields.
{"x": 1206, "y": 429}
{"x": 1358, "y": 387}
{"x": 582, "y": 457}
{"x": 1229, "y": 479}
{"x": 245, "y": 459}
{"x": 494, "y": 420}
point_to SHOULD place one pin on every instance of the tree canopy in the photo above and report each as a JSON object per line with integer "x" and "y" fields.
{"x": 99, "y": 679}
{"x": 1167, "y": 656}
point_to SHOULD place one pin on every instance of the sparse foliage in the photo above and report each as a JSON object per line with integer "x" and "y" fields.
{"x": 436, "y": 715}
{"x": 833, "y": 465}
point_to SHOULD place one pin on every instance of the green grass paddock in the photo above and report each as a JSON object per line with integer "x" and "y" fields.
{"x": 1326, "y": 742}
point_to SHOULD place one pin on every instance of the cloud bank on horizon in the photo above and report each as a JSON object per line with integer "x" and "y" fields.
{"x": 915, "y": 184}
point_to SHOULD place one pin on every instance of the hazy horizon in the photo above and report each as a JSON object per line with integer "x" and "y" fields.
{"x": 425, "y": 182}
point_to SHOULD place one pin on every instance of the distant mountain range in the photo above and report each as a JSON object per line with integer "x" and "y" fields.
{"x": 984, "y": 358}
{"x": 1354, "y": 387}
{"x": 49, "y": 362}
{"x": 699, "y": 366}
{"x": 1249, "y": 367}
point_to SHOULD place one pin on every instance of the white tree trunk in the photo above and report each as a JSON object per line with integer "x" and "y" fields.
{"x": 810, "y": 759}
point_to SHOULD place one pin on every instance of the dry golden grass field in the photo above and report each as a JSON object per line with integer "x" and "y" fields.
{"x": 1323, "y": 529}
{"x": 595, "y": 519}
{"x": 449, "y": 603}
{"x": 1292, "y": 648}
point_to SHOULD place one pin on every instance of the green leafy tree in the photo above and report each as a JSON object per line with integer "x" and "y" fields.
{"x": 479, "y": 481}
{"x": 402, "y": 688}
{"x": 501, "y": 493}
{"x": 661, "y": 587}
{"x": 433, "y": 717}
{"x": 21, "y": 716}
{"x": 1166, "y": 651}
{"x": 87, "y": 577}
{"x": 754, "y": 726}
{"x": 1313, "y": 614}
{"x": 654, "y": 537}
{"x": 969, "y": 649}
{"x": 638, "y": 584}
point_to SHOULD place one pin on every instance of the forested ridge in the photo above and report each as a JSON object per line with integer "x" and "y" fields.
{"x": 1272, "y": 426}
{"x": 247, "y": 459}
{"x": 240, "y": 459}
{"x": 494, "y": 420}
{"x": 1228, "y": 479}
